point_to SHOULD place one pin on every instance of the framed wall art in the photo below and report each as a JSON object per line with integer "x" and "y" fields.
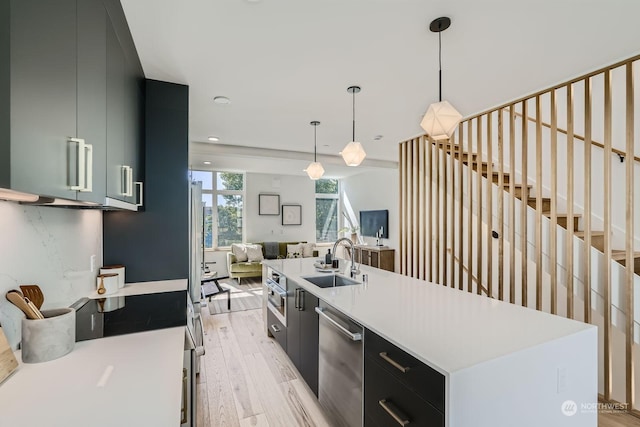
{"x": 268, "y": 204}
{"x": 291, "y": 214}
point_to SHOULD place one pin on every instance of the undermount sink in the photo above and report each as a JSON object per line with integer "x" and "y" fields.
{"x": 331, "y": 281}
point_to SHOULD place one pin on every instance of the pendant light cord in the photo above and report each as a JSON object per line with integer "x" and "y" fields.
{"x": 315, "y": 135}
{"x": 354, "y": 116}
{"x": 440, "y": 63}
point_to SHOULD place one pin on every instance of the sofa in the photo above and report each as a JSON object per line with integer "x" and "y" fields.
{"x": 239, "y": 270}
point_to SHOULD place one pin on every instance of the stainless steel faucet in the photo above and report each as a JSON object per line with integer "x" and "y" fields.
{"x": 354, "y": 270}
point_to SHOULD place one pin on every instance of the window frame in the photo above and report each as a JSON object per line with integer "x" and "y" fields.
{"x": 334, "y": 196}
{"x": 215, "y": 192}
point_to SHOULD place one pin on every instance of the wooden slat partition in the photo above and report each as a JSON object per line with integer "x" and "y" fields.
{"x": 629, "y": 330}
{"x": 479, "y": 212}
{"x": 489, "y": 198}
{"x": 442, "y": 181}
{"x": 569, "y": 239}
{"x": 538, "y": 238}
{"x": 523, "y": 207}
{"x": 472, "y": 163}
{"x": 422, "y": 229}
{"x": 512, "y": 204}
{"x": 553, "y": 227}
{"x": 608, "y": 345}
{"x": 587, "y": 201}
{"x": 500, "y": 225}
{"x": 452, "y": 215}
{"x": 437, "y": 227}
{"x": 429, "y": 236}
{"x": 461, "y": 205}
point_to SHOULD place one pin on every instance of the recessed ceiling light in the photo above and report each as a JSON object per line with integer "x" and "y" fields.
{"x": 326, "y": 145}
{"x": 222, "y": 100}
{"x": 207, "y": 163}
{"x": 378, "y": 137}
{"x": 213, "y": 139}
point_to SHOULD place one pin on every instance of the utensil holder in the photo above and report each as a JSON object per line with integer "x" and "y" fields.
{"x": 115, "y": 269}
{"x": 49, "y": 338}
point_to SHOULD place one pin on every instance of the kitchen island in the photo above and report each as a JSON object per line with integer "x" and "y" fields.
{"x": 503, "y": 365}
{"x": 129, "y": 380}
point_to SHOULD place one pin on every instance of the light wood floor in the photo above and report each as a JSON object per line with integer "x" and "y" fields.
{"x": 246, "y": 379}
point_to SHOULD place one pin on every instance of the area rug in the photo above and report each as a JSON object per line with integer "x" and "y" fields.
{"x": 247, "y": 296}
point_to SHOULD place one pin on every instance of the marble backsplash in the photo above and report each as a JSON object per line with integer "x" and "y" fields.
{"x": 50, "y": 247}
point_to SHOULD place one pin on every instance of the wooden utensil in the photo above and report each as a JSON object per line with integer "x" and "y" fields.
{"x": 101, "y": 288}
{"x": 34, "y": 293}
{"x": 33, "y": 308}
{"x": 17, "y": 299}
{"x": 8, "y": 362}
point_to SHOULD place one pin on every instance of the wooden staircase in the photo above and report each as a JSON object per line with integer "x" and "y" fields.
{"x": 597, "y": 237}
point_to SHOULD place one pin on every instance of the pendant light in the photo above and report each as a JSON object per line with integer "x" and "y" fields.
{"x": 353, "y": 153}
{"x": 315, "y": 169}
{"x": 441, "y": 119}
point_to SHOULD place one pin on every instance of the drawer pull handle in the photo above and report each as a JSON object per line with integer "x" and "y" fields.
{"x": 395, "y": 414}
{"x": 275, "y": 328}
{"x": 385, "y": 356}
{"x": 183, "y": 411}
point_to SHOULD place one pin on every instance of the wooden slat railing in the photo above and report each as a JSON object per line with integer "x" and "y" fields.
{"x": 516, "y": 168}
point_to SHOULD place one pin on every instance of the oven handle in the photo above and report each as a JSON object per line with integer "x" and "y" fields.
{"x": 275, "y": 288}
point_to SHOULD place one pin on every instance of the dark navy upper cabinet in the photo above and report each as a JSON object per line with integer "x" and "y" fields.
{"x": 71, "y": 122}
{"x": 92, "y": 92}
{"x": 40, "y": 109}
{"x": 124, "y": 113}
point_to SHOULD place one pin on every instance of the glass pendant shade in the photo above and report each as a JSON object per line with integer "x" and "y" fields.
{"x": 441, "y": 120}
{"x": 353, "y": 154}
{"x": 314, "y": 170}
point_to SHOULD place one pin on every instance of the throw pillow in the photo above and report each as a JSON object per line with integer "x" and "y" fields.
{"x": 239, "y": 251}
{"x": 254, "y": 253}
{"x": 294, "y": 251}
{"x": 307, "y": 249}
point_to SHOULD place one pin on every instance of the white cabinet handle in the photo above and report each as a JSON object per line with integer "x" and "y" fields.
{"x": 89, "y": 169}
{"x": 140, "y": 186}
{"x": 85, "y": 166}
{"x": 127, "y": 181}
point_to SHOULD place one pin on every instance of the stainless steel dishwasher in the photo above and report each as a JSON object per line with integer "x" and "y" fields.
{"x": 340, "y": 367}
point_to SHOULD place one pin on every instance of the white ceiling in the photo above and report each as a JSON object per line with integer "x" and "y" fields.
{"x": 284, "y": 63}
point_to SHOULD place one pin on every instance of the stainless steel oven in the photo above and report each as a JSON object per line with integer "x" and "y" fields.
{"x": 277, "y": 298}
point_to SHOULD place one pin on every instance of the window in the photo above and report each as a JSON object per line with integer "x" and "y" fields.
{"x": 224, "y": 223}
{"x": 327, "y": 208}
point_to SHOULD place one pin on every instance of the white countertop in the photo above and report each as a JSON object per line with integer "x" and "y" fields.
{"x": 144, "y": 388}
{"x": 125, "y": 380}
{"x": 447, "y": 329}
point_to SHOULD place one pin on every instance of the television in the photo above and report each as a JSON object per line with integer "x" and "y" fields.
{"x": 371, "y": 221}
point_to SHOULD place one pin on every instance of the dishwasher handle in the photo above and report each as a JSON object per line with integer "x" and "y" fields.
{"x": 353, "y": 336}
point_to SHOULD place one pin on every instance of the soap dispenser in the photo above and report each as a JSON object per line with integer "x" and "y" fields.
{"x": 327, "y": 258}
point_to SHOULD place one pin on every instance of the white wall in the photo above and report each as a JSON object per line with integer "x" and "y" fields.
{"x": 294, "y": 190}
{"x": 374, "y": 191}
{"x": 50, "y": 247}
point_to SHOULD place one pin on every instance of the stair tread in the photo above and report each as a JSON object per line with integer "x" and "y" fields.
{"x": 593, "y": 233}
{"x": 618, "y": 254}
{"x": 561, "y": 215}
{"x": 517, "y": 185}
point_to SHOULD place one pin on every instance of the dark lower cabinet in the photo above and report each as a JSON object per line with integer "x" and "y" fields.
{"x": 399, "y": 388}
{"x": 302, "y": 333}
{"x": 391, "y": 403}
{"x": 277, "y": 330}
